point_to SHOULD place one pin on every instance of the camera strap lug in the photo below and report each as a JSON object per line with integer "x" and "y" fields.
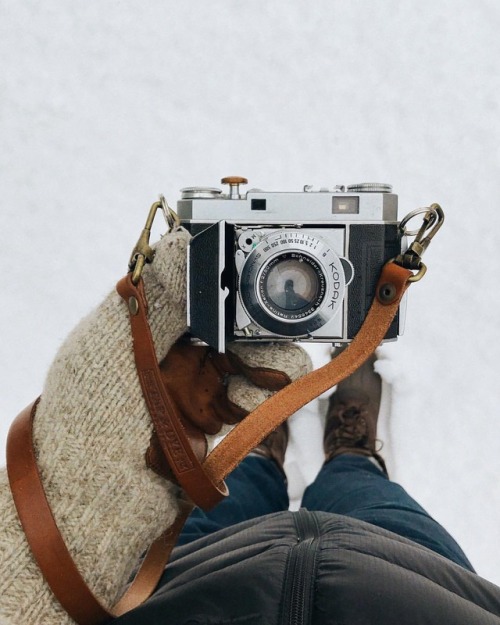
{"x": 143, "y": 253}
{"x": 431, "y": 222}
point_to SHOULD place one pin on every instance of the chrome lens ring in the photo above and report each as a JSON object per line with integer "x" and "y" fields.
{"x": 292, "y": 283}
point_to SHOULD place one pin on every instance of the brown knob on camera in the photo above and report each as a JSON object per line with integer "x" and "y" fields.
{"x": 234, "y": 185}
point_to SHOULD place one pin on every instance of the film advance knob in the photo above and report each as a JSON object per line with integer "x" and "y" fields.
{"x": 370, "y": 187}
{"x": 234, "y": 185}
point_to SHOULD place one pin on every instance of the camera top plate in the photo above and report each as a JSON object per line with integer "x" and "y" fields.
{"x": 365, "y": 202}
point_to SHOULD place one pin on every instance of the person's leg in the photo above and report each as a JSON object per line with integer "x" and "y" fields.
{"x": 354, "y": 481}
{"x": 256, "y": 487}
{"x": 352, "y": 485}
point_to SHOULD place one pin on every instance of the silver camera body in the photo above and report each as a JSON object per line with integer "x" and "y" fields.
{"x": 273, "y": 266}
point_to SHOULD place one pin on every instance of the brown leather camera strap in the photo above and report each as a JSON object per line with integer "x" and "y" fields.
{"x": 48, "y": 546}
{"x": 42, "y": 533}
{"x": 391, "y": 287}
{"x": 171, "y": 434}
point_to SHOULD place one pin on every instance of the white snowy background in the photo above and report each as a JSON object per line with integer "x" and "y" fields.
{"x": 106, "y": 104}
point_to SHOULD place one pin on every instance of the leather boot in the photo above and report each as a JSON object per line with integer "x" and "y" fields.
{"x": 274, "y": 446}
{"x": 351, "y": 421}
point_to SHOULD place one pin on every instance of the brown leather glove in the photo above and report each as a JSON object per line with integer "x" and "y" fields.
{"x": 198, "y": 378}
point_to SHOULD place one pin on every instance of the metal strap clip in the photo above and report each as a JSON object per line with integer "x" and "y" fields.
{"x": 143, "y": 253}
{"x": 412, "y": 258}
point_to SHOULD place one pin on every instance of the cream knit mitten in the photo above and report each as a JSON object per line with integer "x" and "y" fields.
{"x": 91, "y": 432}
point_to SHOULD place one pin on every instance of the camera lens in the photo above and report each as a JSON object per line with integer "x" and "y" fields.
{"x": 291, "y": 283}
{"x": 291, "y": 286}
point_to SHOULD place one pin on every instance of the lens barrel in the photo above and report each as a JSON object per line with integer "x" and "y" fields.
{"x": 292, "y": 283}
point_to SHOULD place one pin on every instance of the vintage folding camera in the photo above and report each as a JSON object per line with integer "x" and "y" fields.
{"x": 275, "y": 266}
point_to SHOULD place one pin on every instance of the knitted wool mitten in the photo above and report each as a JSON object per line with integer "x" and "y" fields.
{"x": 91, "y": 432}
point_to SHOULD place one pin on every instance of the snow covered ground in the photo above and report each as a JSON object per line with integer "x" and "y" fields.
{"x": 105, "y": 105}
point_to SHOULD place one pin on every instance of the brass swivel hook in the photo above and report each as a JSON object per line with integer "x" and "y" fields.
{"x": 143, "y": 253}
{"x": 431, "y": 222}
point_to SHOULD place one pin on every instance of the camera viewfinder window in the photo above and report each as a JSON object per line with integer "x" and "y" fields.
{"x": 345, "y": 205}
{"x": 258, "y": 204}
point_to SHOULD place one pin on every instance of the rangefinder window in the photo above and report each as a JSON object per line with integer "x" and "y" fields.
{"x": 348, "y": 205}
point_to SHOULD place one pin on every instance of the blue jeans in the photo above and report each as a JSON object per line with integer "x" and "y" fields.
{"x": 350, "y": 485}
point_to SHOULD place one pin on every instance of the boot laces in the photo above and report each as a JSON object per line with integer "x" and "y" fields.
{"x": 351, "y": 428}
